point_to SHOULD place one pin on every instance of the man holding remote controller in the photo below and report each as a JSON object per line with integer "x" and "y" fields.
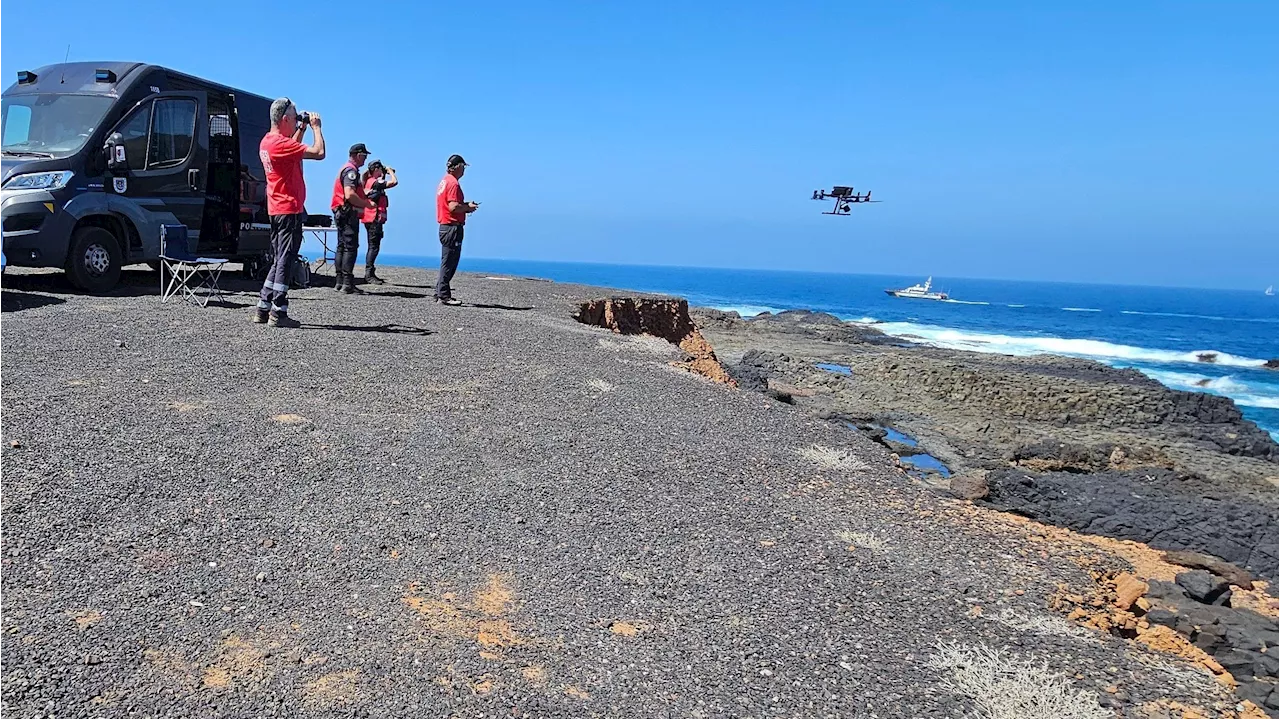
{"x": 451, "y": 212}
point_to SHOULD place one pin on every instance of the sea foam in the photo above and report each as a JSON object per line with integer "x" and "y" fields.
{"x": 748, "y": 310}
{"x": 1025, "y": 346}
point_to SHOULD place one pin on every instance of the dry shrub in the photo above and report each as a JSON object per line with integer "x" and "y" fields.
{"x": 1005, "y": 687}
{"x": 829, "y": 458}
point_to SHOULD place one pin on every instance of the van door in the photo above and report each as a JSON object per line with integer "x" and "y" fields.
{"x": 219, "y": 227}
{"x": 166, "y": 141}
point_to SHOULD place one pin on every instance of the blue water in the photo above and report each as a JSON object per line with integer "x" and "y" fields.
{"x": 834, "y": 368}
{"x": 894, "y": 435}
{"x": 922, "y": 462}
{"x": 1159, "y": 331}
{"x": 926, "y": 462}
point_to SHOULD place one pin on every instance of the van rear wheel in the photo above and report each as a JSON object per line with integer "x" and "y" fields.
{"x": 93, "y": 265}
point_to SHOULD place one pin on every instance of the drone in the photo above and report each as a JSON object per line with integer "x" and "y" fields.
{"x": 844, "y": 197}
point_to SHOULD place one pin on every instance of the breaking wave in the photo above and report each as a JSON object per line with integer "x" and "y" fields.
{"x": 1244, "y": 393}
{"x": 1092, "y": 349}
{"x": 748, "y": 310}
{"x": 1081, "y": 309}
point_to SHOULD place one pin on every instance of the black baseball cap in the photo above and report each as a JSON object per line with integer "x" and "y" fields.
{"x": 455, "y": 160}
{"x": 358, "y": 148}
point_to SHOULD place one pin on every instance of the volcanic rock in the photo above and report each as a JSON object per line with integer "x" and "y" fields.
{"x": 1203, "y": 586}
{"x": 970, "y": 485}
{"x": 1228, "y": 571}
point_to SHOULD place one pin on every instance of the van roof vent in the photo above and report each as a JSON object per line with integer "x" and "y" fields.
{"x": 26, "y": 77}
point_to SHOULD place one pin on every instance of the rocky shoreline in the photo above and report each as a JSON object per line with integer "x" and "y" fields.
{"x": 1066, "y": 442}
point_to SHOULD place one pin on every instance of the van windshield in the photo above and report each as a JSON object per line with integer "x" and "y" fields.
{"x": 51, "y": 124}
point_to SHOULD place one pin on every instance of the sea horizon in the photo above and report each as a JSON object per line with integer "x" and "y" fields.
{"x": 416, "y": 260}
{"x": 1214, "y": 341}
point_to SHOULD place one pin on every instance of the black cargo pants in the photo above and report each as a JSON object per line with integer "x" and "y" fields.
{"x": 450, "y": 253}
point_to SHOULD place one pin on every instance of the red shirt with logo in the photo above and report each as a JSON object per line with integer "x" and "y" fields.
{"x": 348, "y": 176}
{"x": 378, "y": 214}
{"x": 449, "y": 191}
{"x": 282, "y": 160}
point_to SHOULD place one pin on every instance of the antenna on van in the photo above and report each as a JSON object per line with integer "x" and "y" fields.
{"x": 64, "y": 65}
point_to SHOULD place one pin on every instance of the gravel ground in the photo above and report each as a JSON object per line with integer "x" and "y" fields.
{"x": 405, "y": 509}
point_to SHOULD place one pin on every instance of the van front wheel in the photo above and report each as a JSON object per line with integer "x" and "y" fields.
{"x": 93, "y": 264}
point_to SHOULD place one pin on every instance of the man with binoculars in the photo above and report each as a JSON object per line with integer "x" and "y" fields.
{"x": 347, "y": 204}
{"x": 282, "y": 153}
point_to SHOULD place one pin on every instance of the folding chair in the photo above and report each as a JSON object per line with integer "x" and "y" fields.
{"x": 188, "y": 274}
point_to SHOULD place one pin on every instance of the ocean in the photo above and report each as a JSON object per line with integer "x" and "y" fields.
{"x": 1213, "y": 341}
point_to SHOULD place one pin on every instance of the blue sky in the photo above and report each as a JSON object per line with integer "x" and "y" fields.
{"x": 1105, "y": 142}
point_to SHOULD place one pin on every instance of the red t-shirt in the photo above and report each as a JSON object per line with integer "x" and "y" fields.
{"x": 378, "y": 214}
{"x": 449, "y": 191}
{"x": 282, "y": 159}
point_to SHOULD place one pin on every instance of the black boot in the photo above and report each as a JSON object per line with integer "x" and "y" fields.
{"x": 372, "y": 278}
{"x": 349, "y": 275}
{"x": 339, "y": 261}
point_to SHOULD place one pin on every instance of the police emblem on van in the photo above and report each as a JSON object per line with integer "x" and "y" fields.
{"x": 120, "y": 184}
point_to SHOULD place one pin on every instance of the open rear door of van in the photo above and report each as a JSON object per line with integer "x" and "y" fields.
{"x": 166, "y": 142}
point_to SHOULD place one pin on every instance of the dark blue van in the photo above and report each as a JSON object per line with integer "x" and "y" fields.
{"x": 97, "y": 156}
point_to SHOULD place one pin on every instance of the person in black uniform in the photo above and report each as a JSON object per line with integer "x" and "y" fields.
{"x": 347, "y": 203}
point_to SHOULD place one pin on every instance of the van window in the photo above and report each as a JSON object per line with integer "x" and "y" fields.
{"x": 173, "y": 128}
{"x": 51, "y": 123}
{"x": 134, "y": 133}
{"x": 17, "y": 124}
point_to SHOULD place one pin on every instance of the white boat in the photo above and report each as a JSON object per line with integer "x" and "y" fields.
{"x": 920, "y": 292}
{"x": 1271, "y": 291}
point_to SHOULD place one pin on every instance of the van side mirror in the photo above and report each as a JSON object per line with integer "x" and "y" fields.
{"x": 115, "y": 155}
